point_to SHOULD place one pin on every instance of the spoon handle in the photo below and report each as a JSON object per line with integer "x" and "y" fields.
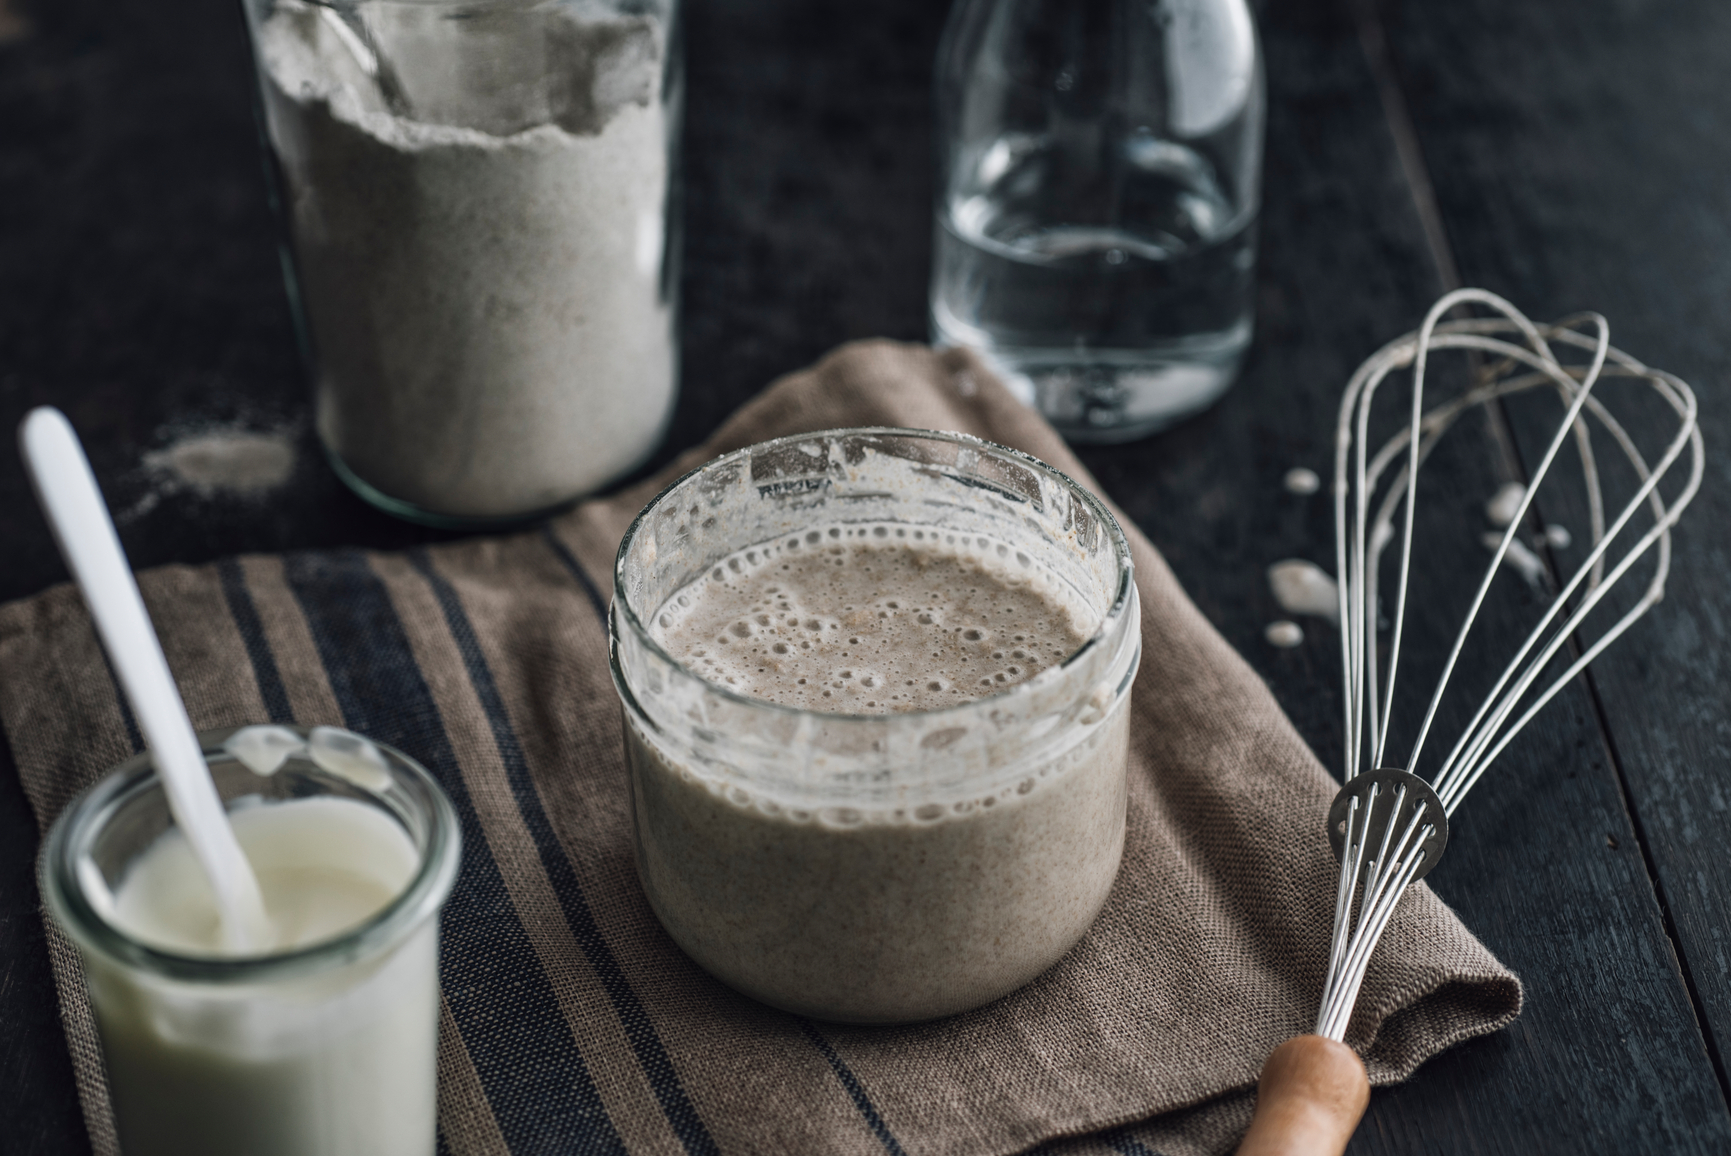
{"x": 67, "y": 491}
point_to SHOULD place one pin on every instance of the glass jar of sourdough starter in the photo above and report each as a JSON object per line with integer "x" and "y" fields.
{"x": 328, "y": 1048}
{"x": 910, "y": 848}
{"x": 482, "y": 197}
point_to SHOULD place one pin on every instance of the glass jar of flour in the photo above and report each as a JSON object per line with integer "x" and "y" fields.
{"x": 481, "y": 199}
{"x": 876, "y": 692}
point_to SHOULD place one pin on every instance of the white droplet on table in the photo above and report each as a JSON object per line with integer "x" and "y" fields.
{"x": 1505, "y": 503}
{"x": 1525, "y": 562}
{"x": 1284, "y": 634}
{"x": 349, "y": 756}
{"x": 1558, "y": 537}
{"x": 1304, "y": 588}
{"x": 264, "y": 749}
{"x": 1302, "y": 481}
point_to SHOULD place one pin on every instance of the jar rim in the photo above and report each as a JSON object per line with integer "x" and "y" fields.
{"x": 1123, "y": 596}
{"x": 420, "y": 899}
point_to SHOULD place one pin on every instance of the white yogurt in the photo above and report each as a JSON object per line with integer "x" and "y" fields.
{"x": 329, "y": 1060}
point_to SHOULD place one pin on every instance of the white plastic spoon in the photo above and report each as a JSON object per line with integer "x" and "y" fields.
{"x": 67, "y": 491}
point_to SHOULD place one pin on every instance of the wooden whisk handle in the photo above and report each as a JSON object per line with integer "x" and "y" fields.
{"x": 1312, "y": 1092}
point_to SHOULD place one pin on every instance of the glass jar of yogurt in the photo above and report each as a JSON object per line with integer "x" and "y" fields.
{"x": 876, "y": 688}
{"x": 328, "y": 1043}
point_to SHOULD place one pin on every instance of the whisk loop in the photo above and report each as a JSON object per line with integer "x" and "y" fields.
{"x": 1389, "y": 826}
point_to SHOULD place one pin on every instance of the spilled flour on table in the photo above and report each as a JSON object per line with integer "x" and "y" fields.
{"x": 234, "y": 462}
{"x": 241, "y": 461}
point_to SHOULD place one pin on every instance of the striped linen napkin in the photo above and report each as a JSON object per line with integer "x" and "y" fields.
{"x": 570, "y": 1023}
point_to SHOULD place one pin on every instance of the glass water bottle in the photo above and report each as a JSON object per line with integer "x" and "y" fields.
{"x": 1096, "y": 203}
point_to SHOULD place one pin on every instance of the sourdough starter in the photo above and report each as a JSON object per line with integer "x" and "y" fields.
{"x": 341, "y": 1063}
{"x": 888, "y": 914}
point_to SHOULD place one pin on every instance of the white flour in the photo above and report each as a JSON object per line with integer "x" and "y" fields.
{"x": 485, "y": 294}
{"x": 238, "y": 461}
{"x": 211, "y": 462}
{"x": 1505, "y": 503}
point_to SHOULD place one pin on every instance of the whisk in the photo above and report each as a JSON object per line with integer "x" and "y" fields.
{"x": 1388, "y": 825}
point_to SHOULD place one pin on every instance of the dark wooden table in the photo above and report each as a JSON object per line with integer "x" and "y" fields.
{"x": 1570, "y": 154}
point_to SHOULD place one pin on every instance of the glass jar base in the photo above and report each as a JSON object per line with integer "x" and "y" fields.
{"x": 1111, "y": 396}
{"x": 409, "y": 512}
{"x": 1103, "y": 404}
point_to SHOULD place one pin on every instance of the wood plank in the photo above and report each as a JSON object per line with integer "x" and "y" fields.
{"x": 809, "y": 183}
{"x": 1606, "y": 1055}
{"x": 1580, "y": 161}
{"x": 808, "y": 165}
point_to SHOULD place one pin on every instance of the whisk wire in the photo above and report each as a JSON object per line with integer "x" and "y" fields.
{"x": 1466, "y": 778}
{"x": 1674, "y": 392}
{"x": 1370, "y": 886}
{"x": 1387, "y": 711}
{"x": 1351, "y": 860}
{"x": 1513, "y": 527}
{"x": 1475, "y": 737}
{"x": 1449, "y": 777}
{"x": 1376, "y": 909}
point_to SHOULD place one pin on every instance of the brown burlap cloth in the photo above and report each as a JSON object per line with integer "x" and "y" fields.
{"x": 571, "y": 1023}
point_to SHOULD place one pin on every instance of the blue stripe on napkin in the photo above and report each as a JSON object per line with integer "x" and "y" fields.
{"x": 626, "y": 1004}
{"x": 251, "y": 627}
{"x": 854, "y": 1089}
{"x": 133, "y": 735}
{"x": 850, "y": 1083}
{"x": 528, "y": 1061}
{"x": 569, "y": 560}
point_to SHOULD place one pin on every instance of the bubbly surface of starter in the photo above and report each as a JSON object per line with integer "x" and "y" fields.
{"x": 869, "y": 620}
{"x": 324, "y": 865}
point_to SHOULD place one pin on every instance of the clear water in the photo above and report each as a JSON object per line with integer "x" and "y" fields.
{"x": 1113, "y": 331}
